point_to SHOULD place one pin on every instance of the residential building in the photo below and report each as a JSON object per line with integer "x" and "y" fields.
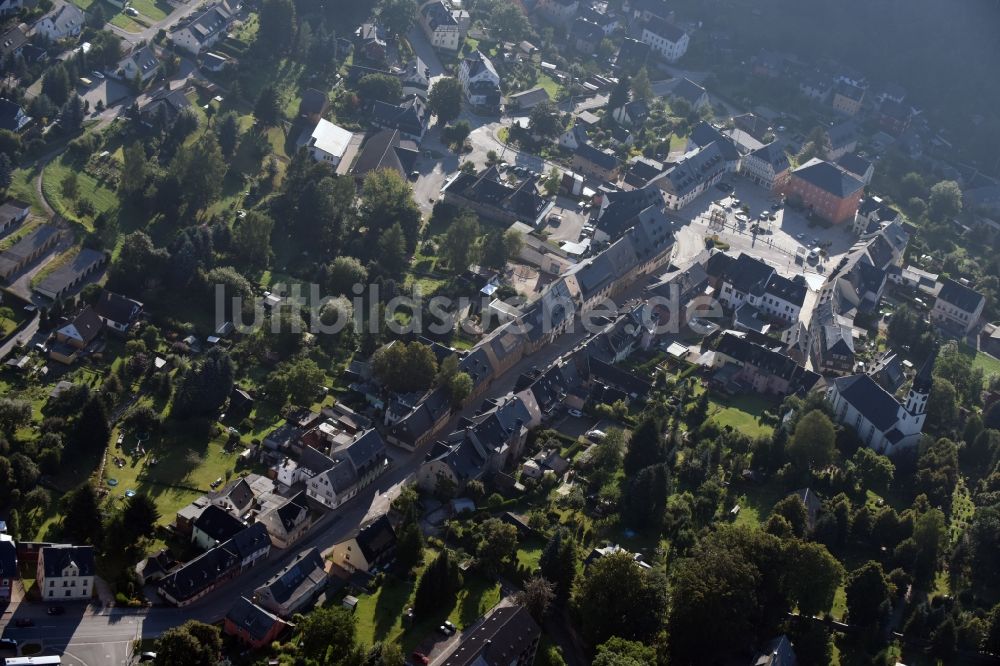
{"x": 295, "y": 587}
{"x": 12, "y": 42}
{"x": 494, "y": 199}
{"x": 370, "y": 42}
{"x": 350, "y": 470}
{"x": 204, "y": 30}
{"x": 767, "y": 166}
{"x": 585, "y": 35}
{"x": 410, "y": 117}
{"x": 527, "y": 99}
{"x": 75, "y": 335}
{"x": 690, "y": 92}
{"x": 64, "y": 21}
{"x": 12, "y": 213}
{"x": 214, "y": 526}
{"x": 65, "y": 573}
{"x": 778, "y": 652}
{"x": 632, "y": 55}
{"x": 506, "y": 636}
{"x": 665, "y": 38}
{"x": 879, "y": 419}
{"x": 859, "y": 167}
{"x": 441, "y": 28}
{"x": 372, "y": 547}
{"x": 215, "y": 566}
{"x": 743, "y": 364}
{"x": 118, "y": 312}
{"x": 9, "y": 572}
{"x": 600, "y": 165}
{"x": 748, "y": 280}
{"x": 328, "y": 143}
{"x": 847, "y": 98}
{"x": 957, "y": 307}
{"x": 480, "y": 81}
{"x": 620, "y": 211}
{"x": 604, "y": 17}
{"x": 691, "y": 175}
{"x": 842, "y": 138}
{"x": 824, "y": 190}
{"x": 141, "y": 62}
{"x": 704, "y": 134}
{"x": 252, "y": 624}
{"x": 288, "y": 522}
{"x": 873, "y": 215}
{"x": 894, "y": 117}
{"x": 12, "y": 116}
{"x": 557, "y": 12}
{"x": 163, "y": 106}
{"x": 416, "y": 79}
{"x": 250, "y": 545}
{"x": 314, "y": 105}
{"x": 632, "y": 114}
{"x": 386, "y": 149}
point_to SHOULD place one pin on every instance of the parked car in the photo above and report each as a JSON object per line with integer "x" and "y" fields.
{"x": 451, "y": 627}
{"x": 8, "y": 644}
{"x": 420, "y": 658}
{"x": 414, "y": 175}
{"x": 55, "y": 610}
{"x": 596, "y": 435}
{"x": 24, "y": 622}
{"x": 555, "y": 219}
{"x": 575, "y": 412}
{"x": 97, "y": 75}
{"x": 147, "y": 656}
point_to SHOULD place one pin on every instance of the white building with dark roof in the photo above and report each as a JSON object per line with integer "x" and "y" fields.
{"x": 665, "y": 38}
{"x": 958, "y": 307}
{"x": 441, "y": 27}
{"x": 65, "y": 21}
{"x": 205, "y": 30}
{"x": 767, "y": 166}
{"x": 66, "y": 573}
{"x": 879, "y": 419}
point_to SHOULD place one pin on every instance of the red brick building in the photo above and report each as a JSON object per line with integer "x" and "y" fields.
{"x": 252, "y": 624}
{"x": 824, "y": 190}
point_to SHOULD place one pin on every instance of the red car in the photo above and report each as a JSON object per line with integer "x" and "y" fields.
{"x": 420, "y": 658}
{"x": 24, "y": 622}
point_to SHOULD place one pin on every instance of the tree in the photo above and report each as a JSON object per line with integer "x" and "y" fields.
{"x": 135, "y": 170}
{"x": 645, "y": 447}
{"x": 199, "y": 170}
{"x": 991, "y": 643}
{"x": 392, "y": 251}
{"x": 205, "y": 386}
{"x": 227, "y": 131}
{"x": 445, "y": 99}
{"x": 14, "y": 413}
{"x": 6, "y": 171}
{"x": 341, "y": 274}
{"x": 409, "y": 542}
{"x": 277, "y": 26}
{"x": 70, "y": 185}
{"x": 252, "y": 239}
{"x": 140, "y": 517}
{"x": 92, "y": 432}
{"x": 56, "y": 84}
{"x": 405, "y": 367}
{"x": 387, "y": 200}
{"x": 813, "y": 443}
{"x": 537, "y": 597}
{"x": 620, "y": 652}
{"x": 811, "y": 576}
{"x": 552, "y": 182}
{"x": 460, "y": 239}
{"x": 868, "y": 594}
{"x": 397, "y": 16}
{"x": 497, "y": 545}
{"x": 794, "y": 511}
{"x": 873, "y": 470}
{"x": 437, "y": 585}
{"x": 617, "y": 597}
{"x": 299, "y": 379}
{"x": 945, "y": 201}
{"x": 937, "y": 472}
{"x": 816, "y": 145}
{"x": 641, "y": 87}
{"x": 558, "y": 563}
{"x": 644, "y": 503}
{"x": 456, "y": 134}
{"x": 619, "y": 94}
{"x": 267, "y": 110}
{"x": 980, "y": 544}
{"x": 508, "y": 23}
{"x": 327, "y": 634}
{"x": 191, "y": 644}
{"x": 514, "y": 241}
{"x": 384, "y": 654}
{"x": 82, "y": 515}
{"x": 545, "y": 121}
{"x": 380, "y": 88}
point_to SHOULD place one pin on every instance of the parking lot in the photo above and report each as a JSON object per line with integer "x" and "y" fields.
{"x": 778, "y": 242}
{"x": 569, "y": 225}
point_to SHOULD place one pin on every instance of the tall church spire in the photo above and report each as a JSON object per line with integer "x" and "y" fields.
{"x": 924, "y": 379}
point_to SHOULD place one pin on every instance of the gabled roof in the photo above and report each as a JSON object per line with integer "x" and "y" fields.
{"x": 199, "y": 574}
{"x": 828, "y": 178}
{"x": 748, "y": 274}
{"x": 688, "y": 90}
{"x": 410, "y": 116}
{"x": 64, "y": 18}
{"x": 774, "y": 154}
{"x": 695, "y": 167}
{"x": 500, "y": 639}
{"x": 957, "y": 294}
{"x": 663, "y": 28}
{"x": 12, "y": 40}
{"x": 253, "y": 619}
{"x": 376, "y": 539}
{"x": 56, "y": 558}
{"x": 144, "y": 59}
{"x": 704, "y": 134}
{"x": 302, "y": 577}
{"x": 842, "y": 134}
{"x": 207, "y": 24}
{"x": 293, "y": 512}
{"x": 871, "y": 400}
{"x": 217, "y": 523}
{"x": 117, "y": 308}
{"x": 767, "y": 360}
{"x": 386, "y": 149}
{"x": 597, "y": 157}
{"x": 477, "y": 63}
{"x": 313, "y": 102}
{"x": 248, "y": 541}
{"x": 87, "y": 326}
{"x": 438, "y": 16}
{"x": 793, "y": 291}
{"x": 849, "y": 91}
{"x": 854, "y": 164}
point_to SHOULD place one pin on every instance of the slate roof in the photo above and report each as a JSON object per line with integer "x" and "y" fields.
{"x": 498, "y": 641}
{"x": 777, "y": 652}
{"x": 692, "y": 170}
{"x": 688, "y": 90}
{"x": 376, "y": 539}
{"x": 597, "y": 157}
{"x": 632, "y": 53}
{"x": 200, "y": 573}
{"x": 704, "y": 134}
{"x": 748, "y": 274}
{"x": 849, "y": 91}
{"x": 251, "y": 618}
{"x": 301, "y": 578}
{"x": 57, "y": 558}
{"x": 774, "y": 154}
{"x": 854, "y": 163}
{"x": 409, "y": 117}
{"x": 210, "y": 22}
{"x": 663, "y": 28}
{"x": 828, "y": 178}
{"x": 386, "y": 149}
{"x": 767, "y": 360}
{"x": 174, "y": 101}
{"x": 486, "y": 188}
{"x": 422, "y": 419}
{"x": 871, "y": 400}
{"x": 313, "y": 102}
{"x": 248, "y": 541}
{"x": 793, "y": 291}
{"x": 217, "y": 523}
{"x": 291, "y": 513}
{"x": 957, "y": 294}
{"x": 117, "y": 308}
{"x": 144, "y": 59}
{"x": 529, "y": 98}
{"x": 437, "y": 15}
{"x": 842, "y": 134}
{"x": 12, "y": 41}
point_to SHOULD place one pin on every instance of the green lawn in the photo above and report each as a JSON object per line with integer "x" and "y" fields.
{"x": 989, "y": 365}
{"x": 23, "y": 187}
{"x": 102, "y": 197}
{"x": 156, "y": 10}
{"x": 741, "y": 413}
{"x": 549, "y": 84}
{"x": 530, "y": 552}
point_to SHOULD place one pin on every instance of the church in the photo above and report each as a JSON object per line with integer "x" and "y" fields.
{"x": 879, "y": 419}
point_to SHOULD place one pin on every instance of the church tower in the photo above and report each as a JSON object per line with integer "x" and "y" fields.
{"x": 914, "y": 412}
